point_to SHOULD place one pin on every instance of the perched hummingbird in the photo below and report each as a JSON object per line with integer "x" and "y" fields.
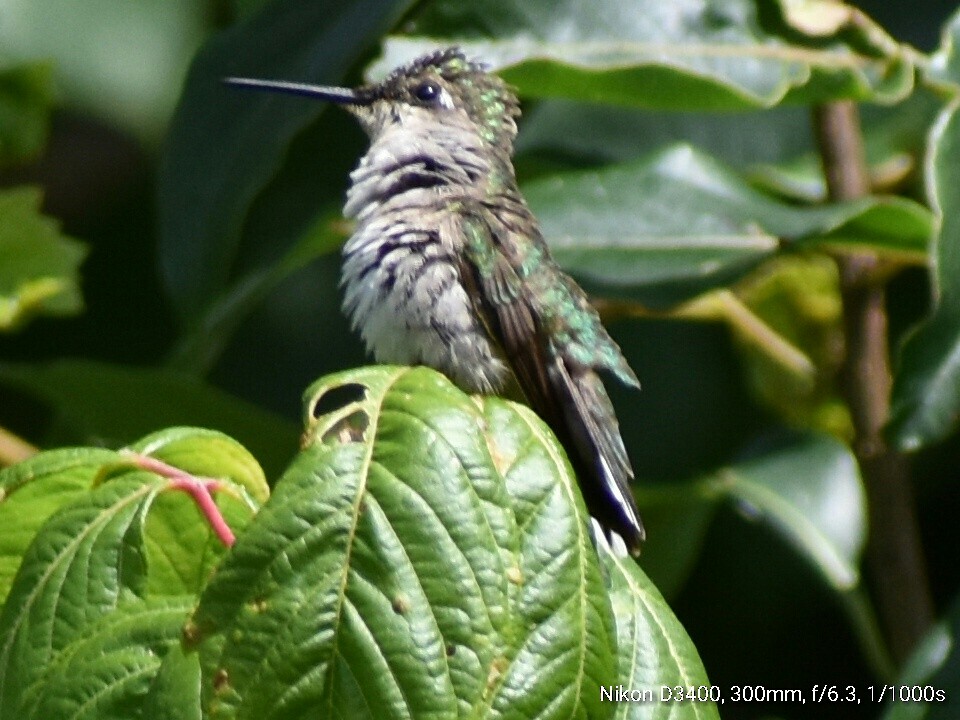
{"x": 448, "y": 268}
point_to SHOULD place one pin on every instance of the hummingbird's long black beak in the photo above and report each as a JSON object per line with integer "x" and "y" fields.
{"x": 341, "y": 96}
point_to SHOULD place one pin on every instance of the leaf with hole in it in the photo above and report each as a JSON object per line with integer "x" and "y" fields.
{"x": 426, "y": 553}
{"x": 674, "y": 225}
{"x": 735, "y": 54}
{"x": 26, "y": 99}
{"x": 39, "y": 267}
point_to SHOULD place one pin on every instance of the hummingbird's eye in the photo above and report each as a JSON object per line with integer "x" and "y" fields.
{"x": 427, "y": 92}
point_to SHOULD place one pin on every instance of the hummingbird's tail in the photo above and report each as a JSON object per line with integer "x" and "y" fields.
{"x": 601, "y": 459}
{"x": 554, "y": 343}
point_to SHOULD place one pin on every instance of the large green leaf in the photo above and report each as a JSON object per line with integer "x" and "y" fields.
{"x": 694, "y": 55}
{"x": 926, "y": 391}
{"x": 679, "y": 223}
{"x": 38, "y": 266}
{"x": 113, "y": 405}
{"x": 225, "y": 146}
{"x": 426, "y": 553}
{"x": 808, "y": 487}
{"x": 591, "y": 132}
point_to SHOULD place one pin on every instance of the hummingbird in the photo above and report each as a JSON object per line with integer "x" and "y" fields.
{"x": 447, "y": 266}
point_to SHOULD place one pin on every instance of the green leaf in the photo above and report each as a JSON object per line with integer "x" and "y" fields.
{"x": 653, "y": 649}
{"x": 665, "y": 55}
{"x": 39, "y": 267}
{"x": 26, "y": 98}
{"x": 427, "y": 553}
{"x": 175, "y": 694}
{"x": 225, "y": 146}
{"x": 808, "y": 487}
{"x": 85, "y": 558}
{"x": 894, "y": 141}
{"x": 594, "y": 133}
{"x": 105, "y": 585}
{"x": 114, "y": 405}
{"x": 107, "y": 671}
{"x": 943, "y": 70}
{"x": 926, "y": 391}
{"x": 677, "y": 224}
{"x": 180, "y": 547}
{"x": 894, "y": 227}
{"x": 207, "y": 453}
{"x": 31, "y": 491}
{"x": 932, "y": 672}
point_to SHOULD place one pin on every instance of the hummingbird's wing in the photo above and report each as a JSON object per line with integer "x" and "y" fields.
{"x": 554, "y": 343}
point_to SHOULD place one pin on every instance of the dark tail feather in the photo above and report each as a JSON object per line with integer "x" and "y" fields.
{"x": 601, "y": 461}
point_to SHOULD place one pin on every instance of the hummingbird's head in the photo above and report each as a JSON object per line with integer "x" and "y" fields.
{"x": 443, "y": 87}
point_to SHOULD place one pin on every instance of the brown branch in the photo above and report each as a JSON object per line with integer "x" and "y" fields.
{"x": 895, "y": 558}
{"x": 14, "y": 449}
